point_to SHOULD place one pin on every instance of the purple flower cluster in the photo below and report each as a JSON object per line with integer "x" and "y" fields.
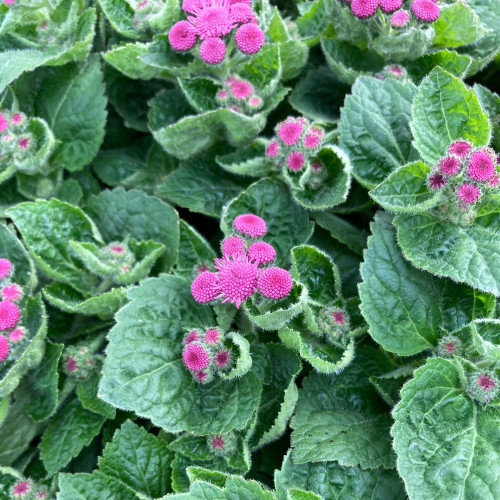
{"x": 212, "y": 22}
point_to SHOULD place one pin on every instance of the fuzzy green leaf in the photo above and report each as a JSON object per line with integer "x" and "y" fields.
{"x": 87, "y": 394}
{"x": 250, "y": 161}
{"x": 457, "y": 25}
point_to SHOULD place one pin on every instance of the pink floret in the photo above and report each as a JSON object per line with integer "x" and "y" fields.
{"x": 17, "y": 334}
{"x": 182, "y": 36}
{"x": 364, "y": 8}
{"x": 312, "y": 141}
{"x": 21, "y": 488}
{"x": 485, "y": 382}
{"x": 5, "y": 267}
{"x": 459, "y": 148}
{"x": 275, "y": 283}
{"x": 17, "y": 118}
{"x": 212, "y": 336}
{"x": 390, "y": 5}
{"x": 213, "y": 50}
{"x": 338, "y": 317}
{"x": 468, "y": 193}
{"x": 449, "y": 165}
{"x": 249, "y": 38}
{"x": 290, "y": 132}
{"x": 222, "y": 359}
{"x": 191, "y": 337}
{"x": 425, "y": 10}
{"x": 250, "y": 225}
{"x": 11, "y": 292}
{"x": 218, "y": 442}
{"x": 436, "y": 181}
{"x": 205, "y": 287}
{"x": 233, "y": 246}
{"x": 400, "y": 19}
{"x": 71, "y": 364}
{"x": 241, "y": 90}
{"x": 4, "y": 348}
{"x": 212, "y": 21}
{"x": 272, "y": 149}
{"x": 237, "y": 280}
{"x": 195, "y": 357}
{"x": 295, "y": 161}
{"x": 9, "y": 315}
{"x": 481, "y": 166}
{"x": 261, "y": 252}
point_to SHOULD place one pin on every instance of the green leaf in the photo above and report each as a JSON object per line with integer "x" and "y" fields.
{"x": 46, "y": 228}
{"x": 71, "y": 99}
{"x": 333, "y": 481}
{"x": 138, "y": 459}
{"x": 443, "y": 439}
{"x": 389, "y": 385}
{"x": 312, "y": 23}
{"x": 264, "y": 70}
{"x": 279, "y": 396}
{"x": 210, "y": 476}
{"x": 347, "y": 28}
{"x": 95, "y": 486}
{"x": 466, "y": 254}
{"x": 120, "y": 15}
{"x": 43, "y": 384}
{"x": 334, "y": 188}
{"x": 120, "y": 214}
{"x": 205, "y": 194}
{"x": 410, "y": 43}
{"x": 352, "y": 430}
{"x": 443, "y": 111}
{"x": 374, "y": 128}
{"x": 200, "y": 93}
{"x": 287, "y": 223}
{"x": 251, "y": 161}
{"x": 451, "y": 61}
{"x": 69, "y": 432}
{"x": 406, "y": 190}
{"x": 407, "y": 309}
{"x": 87, "y": 394}
{"x": 137, "y": 363}
{"x": 35, "y": 321}
{"x": 457, "y": 25}
{"x": 485, "y": 335}
{"x": 69, "y": 300}
{"x": 490, "y": 102}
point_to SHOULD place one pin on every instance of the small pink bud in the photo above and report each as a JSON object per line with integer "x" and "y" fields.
{"x": 249, "y": 38}
{"x": 242, "y": 13}
{"x": 22, "y": 488}
{"x": 237, "y": 279}
{"x": 182, "y": 36}
{"x": 241, "y": 90}
{"x": 272, "y": 149}
{"x": 4, "y": 348}
{"x": 195, "y": 357}
{"x": 363, "y": 9}
{"x": 338, "y": 317}
{"x": 4, "y": 123}
{"x": 71, "y": 364}
{"x": 468, "y": 193}
{"x": 290, "y": 131}
{"x": 481, "y": 165}
{"x": 390, "y": 5}
{"x": 213, "y": 50}
{"x": 24, "y": 143}
{"x": 212, "y": 336}
{"x": 203, "y": 268}
{"x": 250, "y": 225}
{"x": 118, "y": 249}
{"x": 494, "y": 181}
{"x": 255, "y": 102}
{"x": 218, "y": 442}
{"x": 205, "y": 287}
{"x": 485, "y": 382}
{"x": 222, "y": 95}
{"x": 311, "y": 141}
{"x": 201, "y": 376}
{"x": 17, "y": 334}
{"x": 233, "y": 246}
{"x": 275, "y": 283}
{"x": 400, "y": 19}
{"x": 191, "y": 337}
{"x": 425, "y": 10}
{"x": 460, "y": 148}
{"x": 5, "y": 267}
{"x": 222, "y": 359}
{"x": 295, "y": 161}
{"x": 17, "y": 118}
{"x": 9, "y": 315}
{"x": 261, "y": 252}
{"x": 316, "y": 167}
{"x": 436, "y": 181}
{"x": 449, "y": 165}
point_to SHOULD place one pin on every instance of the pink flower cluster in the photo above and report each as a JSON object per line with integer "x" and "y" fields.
{"x": 118, "y": 257}
{"x": 205, "y": 353}
{"x": 423, "y": 10}
{"x": 80, "y": 361}
{"x": 27, "y": 489}
{"x": 239, "y": 96}
{"x": 466, "y": 172}
{"x": 212, "y": 22}
{"x": 242, "y": 271}
{"x": 334, "y": 322}
{"x": 11, "y": 331}
{"x": 15, "y": 140}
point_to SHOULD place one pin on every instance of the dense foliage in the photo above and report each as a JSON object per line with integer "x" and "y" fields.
{"x": 249, "y": 249}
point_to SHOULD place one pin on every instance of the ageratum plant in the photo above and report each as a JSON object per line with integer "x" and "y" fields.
{"x": 249, "y": 249}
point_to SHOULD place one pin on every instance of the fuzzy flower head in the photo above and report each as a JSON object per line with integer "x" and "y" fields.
{"x": 242, "y": 13}
{"x": 237, "y": 279}
{"x": 5, "y": 268}
{"x": 449, "y": 346}
{"x": 273, "y": 149}
{"x": 4, "y": 123}
{"x": 205, "y": 287}
{"x": 275, "y": 283}
{"x": 295, "y": 161}
{"x": 195, "y": 357}
{"x": 481, "y": 166}
{"x": 233, "y": 246}
{"x": 213, "y": 50}
{"x": 400, "y": 19}
{"x": 436, "y": 181}
{"x": 425, "y": 10}
{"x": 241, "y": 89}
{"x": 338, "y": 317}
{"x": 24, "y": 143}
{"x": 213, "y": 336}
{"x": 212, "y": 20}
{"x": 218, "y": 442}
{"x": 468, "y": 193}
{"x": 191, "y": 6}
{"x": 9, "y": 315}
{"x": 460, "y": 148}
{"x": 240, "y": 94}
{"x": 191, "y": 336}
{"x": 290, "y": 131}
{"x": 363, "y": 9}
{"x": 21, "y": 489}
{"x": 71, "y": 364}
{"x": 450, "y": 165}
{"x": 4, "y": 348}
{"x": 261, "y": 252}
{"x": 223, "y": 358}
{"x": 182, "y": 36}
{"x": 390, "y": 5}
{"x": 17, "y": 334}
{"x": 250, "y": 225}
{"x": 483, "y": 386}
{"x": 249, "y": 38}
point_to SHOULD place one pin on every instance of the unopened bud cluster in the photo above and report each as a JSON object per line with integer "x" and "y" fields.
{"x": 335, "y": 324}
{"x": 399, "y": 13}
{"x": 206, "y": 353}
{"x": 216, "y": 23}
{"x": 464, "y": 175}
{"x": 393, "y": 72}
{"x": 80, "y": 361}
{"x": 27, "y": 489}
{"x": 449, "y": 346}
{"x": 222, "y": 444}
{"x": 244, "y": 269}
{"x": 16, "y": 143}
{"x": 145, "y": 11}
{"x": 117, "y": 257}
{"x": 13, "y": 336}
{"x": 294, "y": 149}
{"x": 239, "y": 95}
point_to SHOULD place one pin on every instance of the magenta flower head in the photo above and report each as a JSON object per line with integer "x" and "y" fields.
{"x": 182, "y": 36}
{"x": 24, "y": 143}
{"x": 295, "y": 161}
{"x": 213, "y": 336}
{"x": 425, "y": 10}
{"x": 242, "y": 13}
{"x": 241, "y": 90}
{"x": 191, "y": 336}
{"x": 468, "y": 193}
{"x": 218, "y": 442}
{"x": 249, "y": 38}
{"x": 449, "y": 346}
{"x": 22, "y": 489}
{"x": 237, "y": 279}
{"x": 400, "y": 19}
{"x": 363, "y": 9}
{"x": 9, "y": 315}
{"x": 450, "y": 165}
{"x": 494, "y": 181}
{"x": 436, "y": 181}
{"x": 261, "y": 252}
{"x": 390, "y": 5}
{"x": 12, "y": 292}
{"x": 233, "y": 246}
{"x": 205, "y": 287}
{"x": 273, "y": 149}
{"x": 222, "y": 95}
{"x": 195, "y": 357}
{"x": 484, "y": 386}
{"x": 17, "y": 118}
{"x": 290, "y": 131}
{"x": 275, "y": 283}
{"x": 460, "y": 148}
{"x": 4, "y": 348}
{"x": 255, "y": 102}
{"x": 250, "y": 225}
{"x": 212, "y": 20}
{"x": 5, "y": 267}
{"x": 4, "y": 123}
{"x": 17, "y": 334}
{"x": 338, "y": 317}
{"x": 191, "y": 6}
{"x": 213, "y": 50}
{"x": 71, "y": 364}
{"x": 481, "y": 165}
{"x": 312, "y": 141}
{"x": 223, "y": 358}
